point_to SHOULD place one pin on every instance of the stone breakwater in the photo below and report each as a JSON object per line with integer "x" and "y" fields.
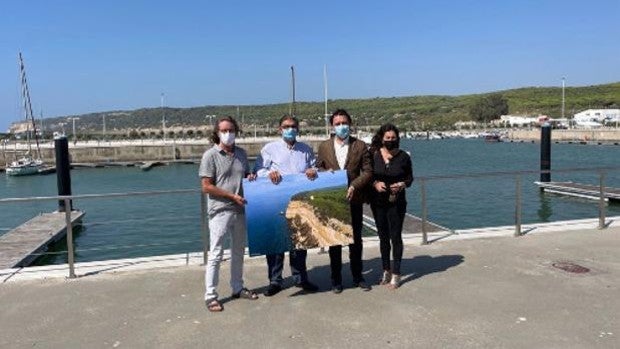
{"x": 606, "y": 135}
{"x": 136, "y": 151}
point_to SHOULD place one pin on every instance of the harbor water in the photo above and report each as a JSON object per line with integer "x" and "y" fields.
{"x": 165, "y": 224}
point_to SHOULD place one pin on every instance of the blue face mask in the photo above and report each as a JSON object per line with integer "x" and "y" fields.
{"x": 289, "y": 134}
{"x": 342, "y": 131}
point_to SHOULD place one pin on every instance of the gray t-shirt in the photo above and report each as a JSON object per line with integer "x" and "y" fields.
{"x": 227, "y": 172}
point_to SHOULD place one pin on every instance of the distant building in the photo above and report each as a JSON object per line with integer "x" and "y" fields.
{"x": 465, "y": 124}
{"x": 518, "y": 120}
{"x": 20, "y": 127}
{"x": 601, "y": 116}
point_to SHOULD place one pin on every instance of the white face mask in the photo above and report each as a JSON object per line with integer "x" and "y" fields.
{"x": 227, "y": 138}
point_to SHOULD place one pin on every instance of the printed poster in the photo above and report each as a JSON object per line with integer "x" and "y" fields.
{"x": 297, "y": 212}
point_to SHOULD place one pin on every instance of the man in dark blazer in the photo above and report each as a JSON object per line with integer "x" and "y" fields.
{"x": 344, "y": 152}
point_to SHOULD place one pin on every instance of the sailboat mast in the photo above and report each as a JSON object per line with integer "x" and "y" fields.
{"x": 28, "y": 106}
{"x": 326, "y": 115}
{"x": 292, "y": 110}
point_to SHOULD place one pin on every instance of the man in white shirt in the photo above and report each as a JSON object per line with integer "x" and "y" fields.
{"x": 282, "y": 157}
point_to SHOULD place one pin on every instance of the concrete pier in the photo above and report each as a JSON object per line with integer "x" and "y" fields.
{"x": 132, "y": 151}
{"x": 609, "y": 136}
{"x": 587, "y": 191}
{"x": 20, "y": 246}
{"x": 502, "y": 292}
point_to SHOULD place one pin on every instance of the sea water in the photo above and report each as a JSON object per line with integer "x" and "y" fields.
{"x": 125, "y": 227}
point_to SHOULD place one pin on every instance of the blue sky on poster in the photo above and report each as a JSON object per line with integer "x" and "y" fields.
{"x": 87, "y": 56}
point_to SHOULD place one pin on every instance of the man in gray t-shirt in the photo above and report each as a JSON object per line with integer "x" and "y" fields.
{"x": 228, "y": 172}
{"x": 221, "y": 172}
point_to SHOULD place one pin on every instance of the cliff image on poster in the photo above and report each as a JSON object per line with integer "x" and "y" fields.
{"x": 297, "y": 212}
{"x": 319, "y": 219}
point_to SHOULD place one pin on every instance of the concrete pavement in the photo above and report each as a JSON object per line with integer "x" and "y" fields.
{"x": 499, "y": 292}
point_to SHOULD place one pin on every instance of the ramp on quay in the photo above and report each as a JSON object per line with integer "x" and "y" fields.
{"x": 20, "y": 246}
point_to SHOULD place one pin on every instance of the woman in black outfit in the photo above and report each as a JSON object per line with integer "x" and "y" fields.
{"x": 393, "y": 172}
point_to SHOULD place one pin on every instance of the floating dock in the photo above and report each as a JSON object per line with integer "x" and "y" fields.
{"x": 22, "y": 245}
{"x": 587, "y": 191}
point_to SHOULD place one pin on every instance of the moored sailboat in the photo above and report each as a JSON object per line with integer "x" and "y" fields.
{"x": 27, "y": 164}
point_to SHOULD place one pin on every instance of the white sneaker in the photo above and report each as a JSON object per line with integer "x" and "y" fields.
{"x": 395, "y": 281}
{"x": 386, "y": 278}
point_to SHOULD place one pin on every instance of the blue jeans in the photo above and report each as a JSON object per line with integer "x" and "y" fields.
{"x": 297, "y": 260}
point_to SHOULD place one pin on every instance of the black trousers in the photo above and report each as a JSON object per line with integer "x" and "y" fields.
{"x": 355, "y": 250}
{"x": 389, "y": 221}
{"x": 297, "y": 261}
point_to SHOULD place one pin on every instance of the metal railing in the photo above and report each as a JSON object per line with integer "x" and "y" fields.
{"x": 422, "y": 182}
{"x": 518, "y": 195}
{"x": 66, "y": 199}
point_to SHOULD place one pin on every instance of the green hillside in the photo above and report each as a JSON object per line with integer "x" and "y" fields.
{"x": 417, "y": 112}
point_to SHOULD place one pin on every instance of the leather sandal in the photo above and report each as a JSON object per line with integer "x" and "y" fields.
{"x": 246, "y": 294}
{"x": 215, "y": 306}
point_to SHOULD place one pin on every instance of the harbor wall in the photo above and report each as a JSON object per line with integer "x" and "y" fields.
{"x": 128, "y": 152}
{"x": 575, "y": 135}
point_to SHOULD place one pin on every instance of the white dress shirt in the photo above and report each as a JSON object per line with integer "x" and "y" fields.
{"x": 341, "y": 151}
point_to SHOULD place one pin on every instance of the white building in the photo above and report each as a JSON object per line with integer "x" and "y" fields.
{"x": 598, "y": 115}
{"x": 518, "y": 120}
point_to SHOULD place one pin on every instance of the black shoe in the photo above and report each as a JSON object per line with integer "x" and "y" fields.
{"x": 363, "y": 285}
{"x": 308, "y": 286}
{"x": 337, "y": 289}
{"x": 272, "y": 290}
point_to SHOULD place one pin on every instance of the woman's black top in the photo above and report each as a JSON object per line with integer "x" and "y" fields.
{"x": 398, "y": 169}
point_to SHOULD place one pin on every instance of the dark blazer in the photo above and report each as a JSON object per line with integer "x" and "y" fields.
{"x": 358, "y": 165}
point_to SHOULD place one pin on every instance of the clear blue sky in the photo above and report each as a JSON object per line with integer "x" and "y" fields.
{"x": 88, "y": 56}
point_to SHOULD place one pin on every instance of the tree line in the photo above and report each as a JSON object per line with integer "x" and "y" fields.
{"x": 410, "y": 113}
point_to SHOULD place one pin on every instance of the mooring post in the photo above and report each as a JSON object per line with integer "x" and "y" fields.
{"x": 63, "y": 175}
{"x": 545, "y": 153}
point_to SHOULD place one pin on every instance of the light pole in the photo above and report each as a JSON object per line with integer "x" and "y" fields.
{"x": 163, "y": 117}
{"x": 74, "y": 133}
{"x": 62, "y": 126}
{"x": 326, "y": 115}
{"x": 563, "y": 84}
{"x": 210, "y": 117}
{"x": 104, "y": 127}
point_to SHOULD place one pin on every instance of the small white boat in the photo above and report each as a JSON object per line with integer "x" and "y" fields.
{"x": 24, "y": 166}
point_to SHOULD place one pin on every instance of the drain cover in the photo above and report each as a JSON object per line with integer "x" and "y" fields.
{"x": 571, "y": 267}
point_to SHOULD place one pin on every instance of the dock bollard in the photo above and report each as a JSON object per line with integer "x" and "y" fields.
{"x": 63, "y": 174}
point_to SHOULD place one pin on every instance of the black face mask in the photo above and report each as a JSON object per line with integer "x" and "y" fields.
{"x": 389, "y": 145}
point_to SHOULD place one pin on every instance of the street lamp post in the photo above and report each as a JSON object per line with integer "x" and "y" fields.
{"x": 104, "y": 127}
{"x": 74, "y": 133}
{"x": 163, "y": 118}
{"x": 210, "y": 117}
{"x": 563, "y": 84}
{"x": 326, "y": 114}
